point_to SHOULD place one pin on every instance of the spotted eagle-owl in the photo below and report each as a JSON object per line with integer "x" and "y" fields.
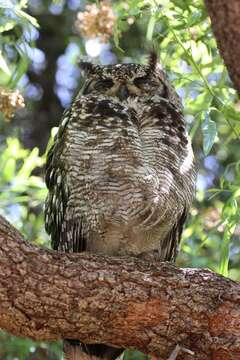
{"x": 121, "y": 172}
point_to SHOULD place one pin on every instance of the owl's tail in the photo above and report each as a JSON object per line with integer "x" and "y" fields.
{"x": 75, "y": 350}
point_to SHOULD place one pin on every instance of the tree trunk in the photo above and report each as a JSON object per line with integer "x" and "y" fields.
{"x": 124, "y": 302}
{"x": 225, "y": 18}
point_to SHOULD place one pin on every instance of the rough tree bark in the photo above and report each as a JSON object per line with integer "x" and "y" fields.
{"x": 225, "y": 18}
{"x": 124, "y": 302}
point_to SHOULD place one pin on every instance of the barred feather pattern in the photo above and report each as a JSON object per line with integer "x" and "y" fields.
{"x": 121, "y": 172}
{"x": 117, "y": 178}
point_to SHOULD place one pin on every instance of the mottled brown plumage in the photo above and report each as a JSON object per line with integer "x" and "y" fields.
{"x": 121, "y": 172}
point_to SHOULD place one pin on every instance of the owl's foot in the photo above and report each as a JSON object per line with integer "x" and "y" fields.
{"x": 75, "y": 350}
{"x": 178, "y": 349}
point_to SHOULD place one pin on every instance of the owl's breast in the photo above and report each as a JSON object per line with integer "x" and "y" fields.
{"x": 109, "y": 176}
{"x": 124, "y": 175}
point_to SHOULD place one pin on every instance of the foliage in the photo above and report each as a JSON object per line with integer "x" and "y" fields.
{"x": 15, "y": 24}
{"x": 181, "y": 33}
{"x": 134, "y": 355}
{"x": 26, "y": 349}
{"x": 22, "y": 192}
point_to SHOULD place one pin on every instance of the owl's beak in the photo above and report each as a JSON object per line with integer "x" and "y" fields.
{"x": 123, "y": 92}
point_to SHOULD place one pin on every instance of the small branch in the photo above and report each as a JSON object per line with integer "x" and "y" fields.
{"x": 225, "y": 18}
{"x": 124, "y": 302}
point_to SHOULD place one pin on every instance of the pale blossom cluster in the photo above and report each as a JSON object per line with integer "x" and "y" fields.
{"x": 10, "y": 101}
{"x": 96, "y": 21}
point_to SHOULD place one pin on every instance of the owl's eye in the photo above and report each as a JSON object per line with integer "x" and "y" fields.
{"x": 140, "y": 81}
{"x": 145, "y": 82}
{"x": 103, "y": 84}
{"x": 99, "y": 85}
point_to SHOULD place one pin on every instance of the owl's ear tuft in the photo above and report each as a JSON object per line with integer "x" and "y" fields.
{"x": 152, "y": 61}
{"x": 85, "y": 66}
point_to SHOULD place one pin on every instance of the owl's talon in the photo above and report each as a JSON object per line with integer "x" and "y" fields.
{"x": 177, "y": 350}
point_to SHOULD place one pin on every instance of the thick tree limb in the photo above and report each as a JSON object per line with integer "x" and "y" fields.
{"x": 120, "y": 301}
{"x": 225, "y": 18}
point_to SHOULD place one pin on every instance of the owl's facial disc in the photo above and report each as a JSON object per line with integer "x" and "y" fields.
{"x": 123, "y": 80}
{"x": 124, "y": 87}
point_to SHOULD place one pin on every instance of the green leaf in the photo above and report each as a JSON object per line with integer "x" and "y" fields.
{"x": 6, "y": 24}
{"x": 30, "y": 163}
{"x": 229, "y": 215}
{"x": 209, "y": 131}
{"x": 150, "y": 28}
{"x": 27, "y": 17}
{"x": 116, "y": 35}
{"x": 134, "y": 355}
{"x": 3, "y": 65}
{"x": 9, "y": 169}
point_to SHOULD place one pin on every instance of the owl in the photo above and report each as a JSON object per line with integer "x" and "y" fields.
{"x": 121, "y": 172}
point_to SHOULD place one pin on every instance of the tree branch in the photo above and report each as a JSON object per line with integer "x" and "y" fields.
{"x": 225, "y": 18}
{"x": 124, "y": 302}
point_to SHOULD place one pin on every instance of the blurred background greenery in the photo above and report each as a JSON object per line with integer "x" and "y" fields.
{"x": 41, "y": 42}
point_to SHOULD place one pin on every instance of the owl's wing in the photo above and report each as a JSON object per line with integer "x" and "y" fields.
{"x": 65, "y": 231}
{"x": 171, "y": 242}
{"x": 168, "y": 150}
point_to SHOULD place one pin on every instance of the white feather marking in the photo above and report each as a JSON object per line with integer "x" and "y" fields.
{"x": 188, "y": 160}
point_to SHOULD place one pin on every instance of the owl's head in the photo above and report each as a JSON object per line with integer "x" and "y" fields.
{"x": 127, "y": 80}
